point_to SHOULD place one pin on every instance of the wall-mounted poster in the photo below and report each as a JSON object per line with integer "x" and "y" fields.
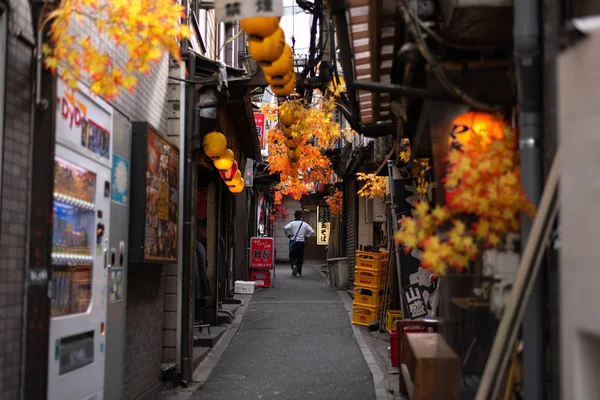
{"x": 154, "y": 197}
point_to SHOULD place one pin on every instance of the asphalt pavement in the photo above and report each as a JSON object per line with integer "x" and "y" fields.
{"x": 295, "y": 342}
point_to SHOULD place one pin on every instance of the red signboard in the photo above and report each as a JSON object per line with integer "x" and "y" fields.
{"x": 259, "y": 119}
{"x": 262, "y": 253}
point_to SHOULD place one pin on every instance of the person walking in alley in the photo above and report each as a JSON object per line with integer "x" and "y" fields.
{"x": 297, "y": 231}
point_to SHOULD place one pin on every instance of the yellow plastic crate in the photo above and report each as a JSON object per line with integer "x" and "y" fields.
{"x": 364, "y": 315}
{"x": 376, "y": 262}
{"x": 369, "y": 279}
{"x": 368, "y": 296}
{"x": 391, "y": 316}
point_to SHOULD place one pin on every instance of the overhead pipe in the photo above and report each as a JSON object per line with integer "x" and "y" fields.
{"x": 424, "y": 94}
{"x": 528, "y": 64}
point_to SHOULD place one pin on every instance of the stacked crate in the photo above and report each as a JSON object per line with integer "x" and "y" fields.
{"x": 369, "y": 285}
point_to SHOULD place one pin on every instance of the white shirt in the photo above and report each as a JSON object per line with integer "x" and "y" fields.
{"x": 304, "y": 231}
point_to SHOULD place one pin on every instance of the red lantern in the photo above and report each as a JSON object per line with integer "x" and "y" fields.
{"x": 230, "y": 173}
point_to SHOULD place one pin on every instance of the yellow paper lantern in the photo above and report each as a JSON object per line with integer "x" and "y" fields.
{"x": 287, "y": 132}
{"x": 225, "y": 160}
{"x": 283, "y": 65}
{"x": 236, "y": 177}
{"x": 285, "y": 90}
{"x": 238, "y": 187}
{"x": 279, "y": 80}
{"x": 268, "y": 49}
{"x": 259, "y": 27}
{"x": 294, "y": 155}
{"x": 291, "y": 144}
{"x": 214, "y": 144}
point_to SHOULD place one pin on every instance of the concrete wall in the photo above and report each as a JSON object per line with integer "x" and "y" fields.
{"x": 282, "y": 252}
{"x": 579, "y": 119}
{"x": 15, "y": 170}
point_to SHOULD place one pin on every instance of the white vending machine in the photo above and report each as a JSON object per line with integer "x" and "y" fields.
{"x": 80, "y": 259}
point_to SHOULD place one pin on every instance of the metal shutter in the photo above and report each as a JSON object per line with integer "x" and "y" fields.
{"x": 351, "y": 233}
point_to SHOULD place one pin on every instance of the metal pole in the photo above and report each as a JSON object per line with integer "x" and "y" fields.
{"x": 187, "y": 276}
{"x": 527, "y": 51}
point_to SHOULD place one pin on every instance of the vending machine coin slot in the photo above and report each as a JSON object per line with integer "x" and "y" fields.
{"x": 99, "y": 232}
{"x": 113, "y": 255}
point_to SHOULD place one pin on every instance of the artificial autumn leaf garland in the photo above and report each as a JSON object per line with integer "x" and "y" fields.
{"x": 484, "y": 203}
{"x": 312, "y": 130}
{"x": 143, "y": 29}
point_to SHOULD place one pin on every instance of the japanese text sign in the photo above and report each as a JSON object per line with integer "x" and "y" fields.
{"x": 262, "y": 253}
{"x": 414, "y": 301}
{"x": 233, "y": 10}
{"x": 259, "y": 119}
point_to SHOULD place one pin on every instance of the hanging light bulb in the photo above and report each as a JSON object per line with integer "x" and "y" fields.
{"x": 225, "y": 160}
{"x": 214, "y": 144}
{"x": 268, "y": 49}
{"x": 259, "y": 27}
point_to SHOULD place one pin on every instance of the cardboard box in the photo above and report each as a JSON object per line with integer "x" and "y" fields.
{"x": 434, "y": 368}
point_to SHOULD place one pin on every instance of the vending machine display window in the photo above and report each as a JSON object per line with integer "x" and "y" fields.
{"x": 73, "y": 237}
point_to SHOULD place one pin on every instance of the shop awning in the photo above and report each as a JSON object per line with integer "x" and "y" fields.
{"x": 366, "y": 37}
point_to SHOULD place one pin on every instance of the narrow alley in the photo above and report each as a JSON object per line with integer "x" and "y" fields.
{"x": 295, "y": 342}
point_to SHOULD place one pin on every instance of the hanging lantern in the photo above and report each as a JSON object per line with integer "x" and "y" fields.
{"x": 225, "y": 160}
{"x": 230, "y": 173}
{"x": 236, "y": 178}
{"x": 294, "y": 155}
{"x": 279, "y": 80}
{"x": 259, "y": 27}
{"x": 287, "y": 132}
{"x": 268, "y": 49}
{"x": 473, "y": 132}
{"x": 282, "y": 66}
{"x": 238, "y": 187}
{"x": 285, "y": 90}
{"x": 472, "y": 127}
{"x": 291, "y": 144}
{"x": 214, "y": 144}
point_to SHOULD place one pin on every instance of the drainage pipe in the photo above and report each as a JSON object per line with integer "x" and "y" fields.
{"x": 188, "y": 243}
{"x": 528, "y": 64}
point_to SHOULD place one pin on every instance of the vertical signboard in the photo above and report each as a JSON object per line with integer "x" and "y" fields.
{"x": 323, "y": 225}
{"x": 259, "y": 119}
{"x": 232, "y": 10}
{"x": 262, "y": 253}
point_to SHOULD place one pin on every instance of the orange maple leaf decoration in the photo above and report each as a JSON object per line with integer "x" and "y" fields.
{"x": 335, "y": 202}
{"x": 144, "y": 30}
{"x": 483, "y": 185}
{"x": 313, "y": 131}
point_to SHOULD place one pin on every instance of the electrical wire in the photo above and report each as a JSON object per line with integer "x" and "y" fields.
{"x": 414, "y": 27}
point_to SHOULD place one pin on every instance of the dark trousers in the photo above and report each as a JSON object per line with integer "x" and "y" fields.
{"x": 297, "y": 255}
